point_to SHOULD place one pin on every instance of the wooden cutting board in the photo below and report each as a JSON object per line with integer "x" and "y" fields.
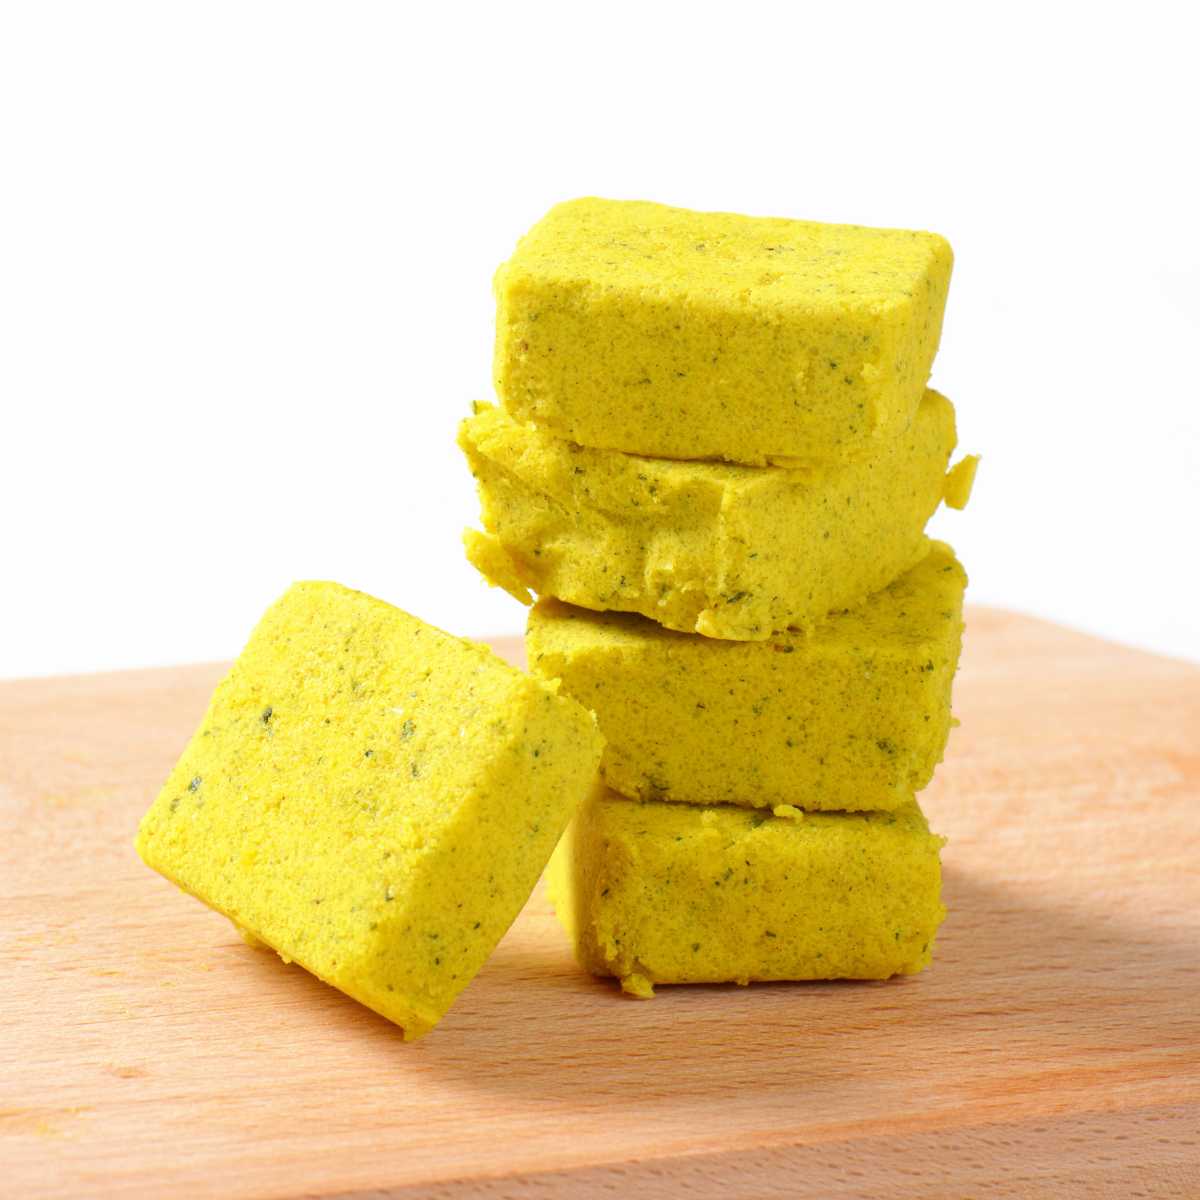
{"x": 1052, "y": 1050}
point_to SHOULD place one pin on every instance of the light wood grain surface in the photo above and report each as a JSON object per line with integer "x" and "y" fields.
{"x": 1053, "y": 1049}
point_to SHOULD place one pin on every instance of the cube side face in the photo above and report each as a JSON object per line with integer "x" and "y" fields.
{"x": 921, "y": 615}
{"x": 669, "y": 378}
{"x": 708, "y": 895}
{"x": 789, "y": 733}
{"x": 476, "y": 877}
{"x": 694, "y": 335}
{"x": 348, "y": 742}
{"x": 585, "y": 878}
{"x": 916, "y": 321}
{"x": 853, "y": 717}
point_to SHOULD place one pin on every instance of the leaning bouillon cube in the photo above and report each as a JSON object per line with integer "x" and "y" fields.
{"x": 372, "y": 797}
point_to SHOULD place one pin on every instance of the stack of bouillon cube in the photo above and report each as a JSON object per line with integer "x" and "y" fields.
{"x": 714, "y": 459}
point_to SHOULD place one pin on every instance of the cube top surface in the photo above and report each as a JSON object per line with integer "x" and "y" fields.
{"x": 911, "y": 611}
{"x": 706, "y": 837}
{"x": 751, "y": 262}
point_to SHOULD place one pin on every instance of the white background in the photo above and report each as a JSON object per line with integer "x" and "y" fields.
{"x": 246, "y": 253}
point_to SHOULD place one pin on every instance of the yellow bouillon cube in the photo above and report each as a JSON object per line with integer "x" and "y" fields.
{"x": 661, "y": 331}
{"x": 372, "y": 798}
{"x": 713, "y": 548}
{"x": 854, "y": 716}
{"x": 654, "y": 893}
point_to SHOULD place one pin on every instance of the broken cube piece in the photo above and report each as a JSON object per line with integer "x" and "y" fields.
{"x": 713, "y": 548}
{"x": 372, "y": 797}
